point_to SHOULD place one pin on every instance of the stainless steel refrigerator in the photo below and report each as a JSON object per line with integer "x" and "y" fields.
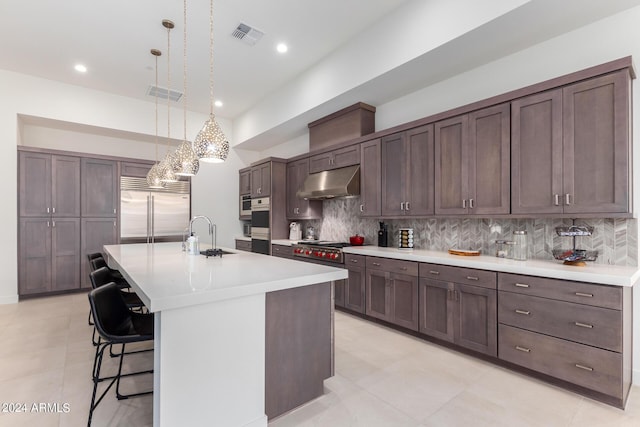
{"x": 148, "y": 215}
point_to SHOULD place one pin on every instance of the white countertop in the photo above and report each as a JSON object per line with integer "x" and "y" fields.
{"x": 165, "y": 277}
{"x": 593, "y": 273}
{"x": 287, "y": 242}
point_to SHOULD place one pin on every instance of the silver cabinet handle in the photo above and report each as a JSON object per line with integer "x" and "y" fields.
{"x": 355, "y": 261}
{"x": 434, "y": 272}
{"x": 472, "y": 278}
{"x": 114, "y": 211}
{"x": 582, "y": 294}
{"x": 53, "y": 210}
{"x": 48, "y": 210}
{"x": 403, "y": 268}
{"x": 401, "y": 206}
{"x": 464, "y": 203}
{"x": 525, "y": 312}
{"x": 361, "y": 208}
{"x": 114, "y": 224}
{"x": 523, "y": 349}
{"x": 48, "y": 225}
{"x": 567, "y": 199}
{"x": 377, "y": 264}
{"x": 470, "y": 203}
{"x": 584, "y": 325}
{"x": 406, "y": 206}
{"x": 53, "y": 224}
{"x": 556, "y": 197}
{"x": 521, "y": 285}
{"x": 586, "y": 368}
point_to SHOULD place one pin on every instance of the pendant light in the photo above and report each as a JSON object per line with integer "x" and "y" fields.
{"x": 210, "y": 144}
{"x": 153, "y": 177}
{"x": 187, "y": 160}
{"x": 168, "y": 164}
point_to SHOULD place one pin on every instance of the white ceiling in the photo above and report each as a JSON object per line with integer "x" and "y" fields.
{"x": 112, "y": 38}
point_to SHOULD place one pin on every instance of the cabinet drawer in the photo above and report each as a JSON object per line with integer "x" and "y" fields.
{"x": 243, "y": 245}
{"x": 354, "y": 260}
{"x": 409, "y": 268}
{"x": 282, "y": 251}
{"x": 580, "y": 364}
{"x": 599, "y": 327}
{"x": 468, "y": 276}
{"x": 580, "y": 292}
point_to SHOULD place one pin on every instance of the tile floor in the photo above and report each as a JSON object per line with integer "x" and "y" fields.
{"x": 383, "y": 378}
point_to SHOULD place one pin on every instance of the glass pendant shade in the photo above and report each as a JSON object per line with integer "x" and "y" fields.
{"x": 153, "y": 177}
{"x": 167, "y": 168}
{"x": 210, "y": 144}
{"x": 187, "y": 161}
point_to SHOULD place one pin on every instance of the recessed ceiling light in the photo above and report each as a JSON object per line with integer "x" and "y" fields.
{"x": 282, "y": 48}
{"x": 80, "y": 68}
{"x": 218, "y": 104}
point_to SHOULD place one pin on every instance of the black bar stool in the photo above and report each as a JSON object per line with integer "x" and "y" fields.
{"x": 116, "y": 324}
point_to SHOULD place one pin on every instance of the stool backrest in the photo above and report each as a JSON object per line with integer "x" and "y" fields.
{"x": 100, "y": 277}
{"x": 97, "y": 263}
{"x": 111, "y": 316}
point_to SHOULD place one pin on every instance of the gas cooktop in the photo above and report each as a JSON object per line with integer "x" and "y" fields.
{"x": 325, "y": 243}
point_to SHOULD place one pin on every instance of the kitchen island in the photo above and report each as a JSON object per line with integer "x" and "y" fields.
{"x": 227, "y": 328}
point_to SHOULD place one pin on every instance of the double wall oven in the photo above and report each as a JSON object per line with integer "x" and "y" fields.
{"x": 260, "y": 223}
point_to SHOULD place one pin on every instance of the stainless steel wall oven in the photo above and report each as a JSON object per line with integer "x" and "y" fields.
{"x": 260, "y": 220}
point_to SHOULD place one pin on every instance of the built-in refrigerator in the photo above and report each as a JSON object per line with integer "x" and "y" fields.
{"x": 153, "y": 215}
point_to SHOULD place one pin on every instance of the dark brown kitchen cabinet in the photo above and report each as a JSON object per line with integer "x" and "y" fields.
{"x": 245, "y": 181}
{"x": 571, "y": 150}
{"x": 243, "y": 245}
{"x": 99, "y": 190}
{"x": 392, "y": 296}
{"x": 459, "y": 305}
{"x": 299, "y": 208}
{"x": 261, "y": 180}
{"x": 49, "y": 258}
{"x": 335, "y": 159}
{"x": 138, "y": 170}
{"x": 49, "y": 185}
{"x": 472, "y": 163}
{"x": 96, "y": 232}
{"x": 354, "y": 293}
{"x": 408, "y": 173}
{"x": 370, "y": 178}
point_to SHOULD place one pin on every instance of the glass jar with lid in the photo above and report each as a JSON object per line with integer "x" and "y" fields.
{"x": 504, "y": 248}
{"x": 520, "y": 246}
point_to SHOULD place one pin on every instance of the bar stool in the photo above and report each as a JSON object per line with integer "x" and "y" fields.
{"x": 116, "y": 324}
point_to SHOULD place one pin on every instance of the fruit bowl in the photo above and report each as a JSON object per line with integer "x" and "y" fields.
{"x": 356, "y": 240}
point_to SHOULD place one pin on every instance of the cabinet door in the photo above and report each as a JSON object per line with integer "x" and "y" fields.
{"x": 34, "y": 262}
{"x": 339, "y": 288}
{"x": 355, "y": 289}
{"x": 256, "y": 181}
{"x": 65, "y": 194}
{"x": 378, "y": 294}
{"x": 476, "y": 319}
{"x": 320, "y": 162}
{"x": 35, "y": 184}
{"x": 451, "y": 170}
{"x": 95, "y": 232}
{"x": 394, "y": 166}
{"x": 436, "y": 309}
{"x": 245, "y": 181}
{"x": 404, "y": 300}
{"x": 265, "y": 172}
{"x": 65, "y": 254}
{"x": 489, "y": 161}
{"x": 292, "y": 189}
{"x": 420, "y": 175}
{"x": 346, "y": 156}
{"x": 536, "y": 154}
{"x": 138, "y": 170}
{"x": 99, "y": 187}
{"x": 370, "y": 182}
{"x": 596, "y": 145}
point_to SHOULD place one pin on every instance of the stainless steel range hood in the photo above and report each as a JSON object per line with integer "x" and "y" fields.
{"x": 341, "y": 182}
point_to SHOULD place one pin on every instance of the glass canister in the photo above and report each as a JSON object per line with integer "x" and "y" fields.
{"x": 504, "y": 248}
{"x": 520, "y": 247}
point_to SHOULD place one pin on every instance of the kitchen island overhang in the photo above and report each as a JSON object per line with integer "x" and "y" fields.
{"x": 210, "y": 338}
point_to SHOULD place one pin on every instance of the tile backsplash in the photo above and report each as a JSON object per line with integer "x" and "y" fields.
{"x": 614, "y": 239}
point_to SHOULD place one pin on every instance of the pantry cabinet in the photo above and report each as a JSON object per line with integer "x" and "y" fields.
{"x": 472, "y": 163}
{"x": 370, "y": 178}
{"x": 100, "y": 189}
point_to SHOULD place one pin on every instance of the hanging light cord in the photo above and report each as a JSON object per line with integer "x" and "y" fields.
{"x": 211, "y": 57}
{"x": 184, "y": 95}
{"x": 168, "y": 88}
{"x": 156, "y": 56}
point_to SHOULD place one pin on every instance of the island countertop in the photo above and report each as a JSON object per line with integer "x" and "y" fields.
{"x": 165, "y": 277}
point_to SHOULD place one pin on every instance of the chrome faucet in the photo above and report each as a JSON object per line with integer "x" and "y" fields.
{"x": 212, "y": 229}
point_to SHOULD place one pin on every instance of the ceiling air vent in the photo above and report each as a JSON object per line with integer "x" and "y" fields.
{"x": 162, "y": 93}
{"x": 247, "y": 34}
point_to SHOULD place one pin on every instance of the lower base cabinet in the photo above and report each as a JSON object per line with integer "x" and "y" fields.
{"x": 355, "y": 285}
{"x": 243, "y": 245}
{"x": 457, "y": 312}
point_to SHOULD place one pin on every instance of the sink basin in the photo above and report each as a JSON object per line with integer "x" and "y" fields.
{"x": 215, "y": 252}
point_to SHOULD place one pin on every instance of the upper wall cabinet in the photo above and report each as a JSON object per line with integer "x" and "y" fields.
{"x": 571, "y": 152}
{"x": 49, "y": 185}
{"x": 407, "y": 173}
{"x": 472, "y": 158}
{"x": 261, "y": 180}
{"x": 335, "y": 159}
{"x": 99, "y": 188}
{"x": 298, "y": 208}
{"x": 370, "y": 178}
{"x": 245, "y": 181}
